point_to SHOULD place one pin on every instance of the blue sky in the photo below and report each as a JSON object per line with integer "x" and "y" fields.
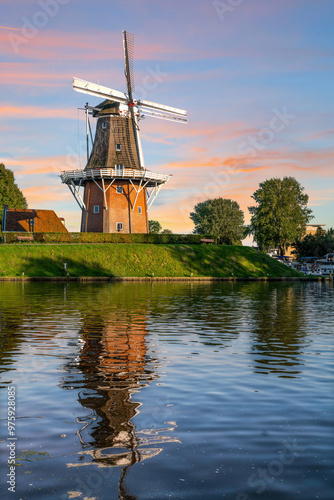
{"x": 256, "y": 78}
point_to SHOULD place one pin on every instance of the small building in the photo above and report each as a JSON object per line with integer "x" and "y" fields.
{"x": 31, "y": 221}
{"x": 314, "y": 229}
{"x": 311, "y": 229}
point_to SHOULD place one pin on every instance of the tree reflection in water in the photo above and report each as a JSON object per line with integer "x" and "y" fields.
{"x": 277, "y": 328}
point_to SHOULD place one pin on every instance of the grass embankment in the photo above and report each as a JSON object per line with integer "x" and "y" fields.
{"x": 138, "y": 260}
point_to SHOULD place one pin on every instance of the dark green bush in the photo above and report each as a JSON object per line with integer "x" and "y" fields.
{"x": 165, "y": 238}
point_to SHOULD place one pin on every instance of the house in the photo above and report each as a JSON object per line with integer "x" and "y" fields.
{"x": 31, "y": 221}
{"x": 310, "y": 229}
{"x": 314, "y": 228}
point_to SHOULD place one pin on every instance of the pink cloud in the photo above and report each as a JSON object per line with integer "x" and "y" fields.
{"x": 160, "y": 131}
{"x": 233, "y": 164}
{"x": 37, "y": 165}
{"x": 39, "y": 196}
{"x": 46, "y": 45}
{"x": 32, "y": 74}
{"x": 35, "y": 112}
{"x": 10, "y": 28}
{"x": 321, "y": 134}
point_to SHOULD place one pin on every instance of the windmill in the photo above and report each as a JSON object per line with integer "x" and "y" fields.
{"x": 117, "y": 188}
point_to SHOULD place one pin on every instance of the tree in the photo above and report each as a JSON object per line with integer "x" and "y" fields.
{"x": 154, "y": 227}
{"x": 10, "y": 194}
{"x": 166, "y": 231}
{"x": 219, "y": 217}
{"x": 281, "y": 213}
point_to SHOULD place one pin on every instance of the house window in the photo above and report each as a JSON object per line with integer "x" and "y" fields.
{"x": 119, "y": 189}
{"x": 119, "y": 226}
{"x": 104, "y": 125}
{"x": 140, "y": 210}
{"x": 96, "y": 209}
{"x": 118, "y": 148}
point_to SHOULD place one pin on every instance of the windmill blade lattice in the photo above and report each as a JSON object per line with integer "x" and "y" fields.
{"x": 128, "y": 43}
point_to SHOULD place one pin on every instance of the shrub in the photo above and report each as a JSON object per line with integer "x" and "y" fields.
{"x": 149, "y": 238}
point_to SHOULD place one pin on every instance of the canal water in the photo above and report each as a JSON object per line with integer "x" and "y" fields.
{"x": 167, "y": 390}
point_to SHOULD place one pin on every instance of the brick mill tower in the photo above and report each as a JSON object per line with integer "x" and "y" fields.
{"x": 117, "y": 188}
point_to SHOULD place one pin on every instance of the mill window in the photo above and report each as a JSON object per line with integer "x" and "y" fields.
{"x": 118, "y": 148}
{"x": 104, "y": 125}
{"x": 119, "y": 189}
{"x": 140, "y": 210}
{"x": 96, "y": 209}
{"x": 119, "y": 226}
{"x": 119, "y": 169}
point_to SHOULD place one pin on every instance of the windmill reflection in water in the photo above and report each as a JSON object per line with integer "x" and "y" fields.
{"x": 113, "y": 365}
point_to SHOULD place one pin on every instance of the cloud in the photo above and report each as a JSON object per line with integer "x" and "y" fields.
{"x": 321, "y": 134}
{"x": 46, "y": 45}
{"x": 33, "y": 74}
{"x": 90, "y": 45}
{"x": 9, "y": 28}
{"x": 46, "y": 195}
{"x": 209, "y": 165}
{"x": 160, "y": 130}
{"x": 31, "y": 166}
{"x": 29, "y": 112}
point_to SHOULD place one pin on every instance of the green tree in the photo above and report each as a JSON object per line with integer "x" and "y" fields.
{"x": 219, "y": 217}
{"x": 154, "y": 227}
{"x": 281, "y": 213}
{"x": 166, "y": 231}
{"x": 10, "y": 194}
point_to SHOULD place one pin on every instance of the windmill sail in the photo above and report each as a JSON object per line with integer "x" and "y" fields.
{"x": 163, "y": 107}
{"x": 98, "y": 90}
{"x": 128, "y": 45}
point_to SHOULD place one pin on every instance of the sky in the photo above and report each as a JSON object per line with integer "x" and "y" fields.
{"x": 256, "y": 77}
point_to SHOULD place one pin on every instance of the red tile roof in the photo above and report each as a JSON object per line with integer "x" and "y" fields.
{"x": 44, "y": 221}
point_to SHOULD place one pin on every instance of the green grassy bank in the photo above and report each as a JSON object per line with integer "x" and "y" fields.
{"x": 137, "y": 260}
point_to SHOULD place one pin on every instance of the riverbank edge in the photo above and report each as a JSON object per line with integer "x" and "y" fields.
{"x": 158, "y": 278}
